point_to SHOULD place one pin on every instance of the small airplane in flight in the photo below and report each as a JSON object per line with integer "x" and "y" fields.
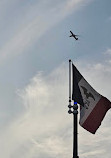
{"x": 73, "y": 35}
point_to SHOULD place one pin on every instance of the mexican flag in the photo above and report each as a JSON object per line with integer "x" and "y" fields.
{"x": 93, "y": 106}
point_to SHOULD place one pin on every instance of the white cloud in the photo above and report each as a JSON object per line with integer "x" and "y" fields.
{"x": 73, "y": 5}
{"x": 46, "y": 111}
{"x": 108, "y": 51}
{"x": 93, "y": 153}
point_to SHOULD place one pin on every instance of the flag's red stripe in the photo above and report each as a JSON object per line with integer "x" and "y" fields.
{"x": 93, "y": 121}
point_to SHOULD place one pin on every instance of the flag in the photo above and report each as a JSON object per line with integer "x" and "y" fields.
{"x": 93, "y": 106}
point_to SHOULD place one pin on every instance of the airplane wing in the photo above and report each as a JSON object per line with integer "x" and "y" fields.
{"x": 71, "y": 32}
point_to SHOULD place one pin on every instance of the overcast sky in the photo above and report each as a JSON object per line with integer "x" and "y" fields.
{"x": 34, "y": 51}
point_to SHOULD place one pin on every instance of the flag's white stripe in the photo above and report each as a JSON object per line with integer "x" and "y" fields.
{"x": 86, "y": 110}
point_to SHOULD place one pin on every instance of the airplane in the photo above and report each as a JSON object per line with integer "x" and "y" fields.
{"x": 73, "y": 35}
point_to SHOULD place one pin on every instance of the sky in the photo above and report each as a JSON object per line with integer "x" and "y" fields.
{"x": 35, "y": 49}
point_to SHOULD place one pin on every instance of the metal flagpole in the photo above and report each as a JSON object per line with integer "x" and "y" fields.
{"x": 75, "y": 131}
{"x": 75, "y": 118}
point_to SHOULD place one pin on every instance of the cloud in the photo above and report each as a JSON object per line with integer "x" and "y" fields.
{"x": 46, "y": 111}
{"x": 45, "y": 127}
{"x": 73, "y": 5}
{"x": 108, "y": 51}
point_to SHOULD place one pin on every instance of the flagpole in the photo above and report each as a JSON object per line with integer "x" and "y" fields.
{"x": 75, "y": 112}
{"x": 75, "y": 131}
